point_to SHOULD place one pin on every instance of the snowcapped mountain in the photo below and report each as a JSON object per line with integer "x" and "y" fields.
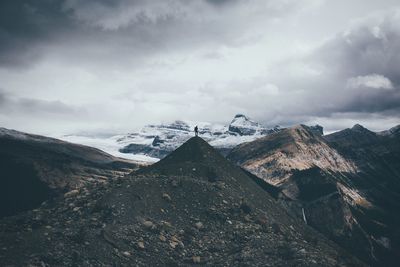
{"x": 154, "y": 142}
{"x": 242, "y": 125}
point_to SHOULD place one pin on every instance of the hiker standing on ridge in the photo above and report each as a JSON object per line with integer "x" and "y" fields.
{"x": 196, "y": 131}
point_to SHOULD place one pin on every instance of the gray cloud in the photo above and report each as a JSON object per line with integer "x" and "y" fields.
{"x": 129, "y": 63}
{"x": 25, "y": 26}
{"x": 356, "y": 71}
{"x": 126, "y": 33}
{"x": 369, "y": 50}
{"x": 30, "y": 107}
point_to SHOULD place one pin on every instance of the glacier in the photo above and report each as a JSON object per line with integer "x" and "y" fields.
{"x": 153, "y": 142}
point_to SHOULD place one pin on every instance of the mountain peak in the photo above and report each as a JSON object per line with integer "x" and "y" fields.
{"x": 198, "y": 159}
{"x": 195, "y": 155}
{"x": 241, "y": 116}
{"x": 193, "y": 150}
{"x": 316, "y": 129}
{"x": 243, "y": 125}
{"x": 359, "y": 128}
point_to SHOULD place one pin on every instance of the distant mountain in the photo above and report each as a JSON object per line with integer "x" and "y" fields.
{"x": 191, "y": 208}
{"x": 242, "y": 125}
{"x": 392, "y": 132}
{"x": 34, "y": 168}
{"x": 154, "y": 142}
{"x": 346, "y": 184}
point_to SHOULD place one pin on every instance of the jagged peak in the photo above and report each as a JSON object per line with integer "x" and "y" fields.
{"x": 357, "y": 128}
{"x": 301, "y": 127}
{"x": 243, "y": 125}
{"x": 304, "y": 132}
{"x": 240, "y": 116}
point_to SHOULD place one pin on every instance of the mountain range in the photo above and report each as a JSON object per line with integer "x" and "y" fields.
{"x": 285, "y": 197}
{"x": 155, "y": 141}
{"x": 194, "y": 207}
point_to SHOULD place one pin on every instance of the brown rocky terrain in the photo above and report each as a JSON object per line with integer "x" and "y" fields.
{"x": 35, "y": 168}
{"x": 191, "y": 208}
{"x": 298, "y": 148}
{"x": 345, "y": 185}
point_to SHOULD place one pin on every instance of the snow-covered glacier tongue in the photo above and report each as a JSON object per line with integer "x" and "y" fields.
{"x": 154, "y": 142}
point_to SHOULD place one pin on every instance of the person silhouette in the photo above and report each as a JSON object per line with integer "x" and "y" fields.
{"x": 196, "y": 130}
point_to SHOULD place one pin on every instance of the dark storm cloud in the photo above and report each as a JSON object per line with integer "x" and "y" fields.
{"x": 238, "y": 56}
{"x": 357, "y": 71}
{"x": 369, "y": 48}
{"x": 27, "y": 25}
{"x": 123, "y": 32}
{"x": 28, "y": 28}
{"x": 84, "y": 28}
{"x": 370, "y": 55}
{"x": 9, "y": 104}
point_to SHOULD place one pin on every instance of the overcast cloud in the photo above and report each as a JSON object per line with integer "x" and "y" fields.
{"x": 115, "y": 65}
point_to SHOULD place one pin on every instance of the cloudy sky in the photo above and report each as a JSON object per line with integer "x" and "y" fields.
{"x": 114, "y": 65}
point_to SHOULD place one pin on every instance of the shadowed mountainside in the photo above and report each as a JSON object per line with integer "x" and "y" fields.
{"x": 346, "y": 183}
{"x": 34, "y": 168}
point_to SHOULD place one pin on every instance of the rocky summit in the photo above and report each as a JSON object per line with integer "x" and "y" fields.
{"x": 191, "y": 208}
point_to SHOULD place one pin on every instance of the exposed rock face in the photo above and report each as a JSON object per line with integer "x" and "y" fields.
{"x": 34, "y": 168}
{"x": 346, "y": 183}
{"x": 317, "y": 129}
{"x": 214, "y": 215}
{"x": 275, "y": 156}
{"x": 328, "y": 201}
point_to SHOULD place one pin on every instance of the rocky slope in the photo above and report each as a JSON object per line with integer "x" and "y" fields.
{"x": 345, "y": 184}
{"x": 34, "y": 168}
{"x": 275, "y": 156}
{"x": 377, "y": 156}
{"x": 154, "y": 142}
{"x": 191, "y": 208}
